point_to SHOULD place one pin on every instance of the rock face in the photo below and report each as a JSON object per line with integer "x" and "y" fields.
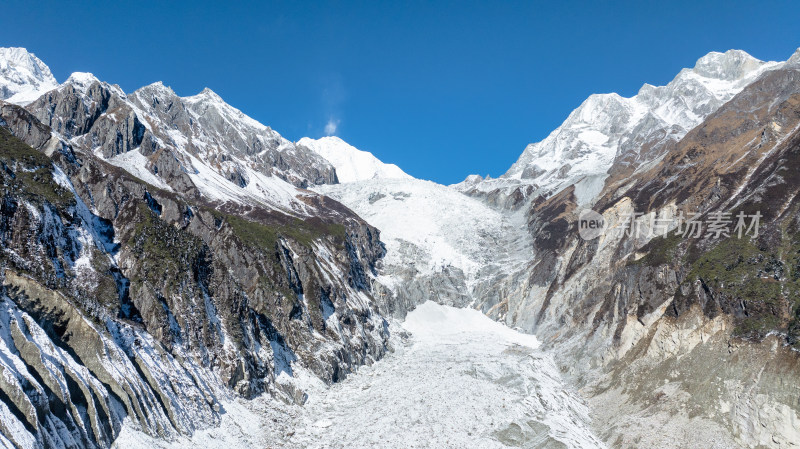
{"x": 177, "y": 142}
{"x": 154, "y": 293}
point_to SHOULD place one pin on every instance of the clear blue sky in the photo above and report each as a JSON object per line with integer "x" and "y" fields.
{"x": 442, "y": 89}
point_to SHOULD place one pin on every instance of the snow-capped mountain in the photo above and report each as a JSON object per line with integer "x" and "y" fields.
{"x": 431, "y": 231}
{"x": 177, "y": 143}
{"x": 23, "y": 76}
{"x": 607, "y": 127}
{"x": 166, "y": 259}
{"x": 351, "y": 163}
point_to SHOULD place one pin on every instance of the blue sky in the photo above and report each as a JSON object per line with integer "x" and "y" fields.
{"x": 442, "y": 89}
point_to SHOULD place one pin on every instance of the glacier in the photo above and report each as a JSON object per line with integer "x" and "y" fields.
{"x": 456, "y": 379}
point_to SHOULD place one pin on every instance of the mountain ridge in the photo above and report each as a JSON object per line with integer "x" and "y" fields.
{"x": 610, "y": 130}
{"x": 145, "y": 292}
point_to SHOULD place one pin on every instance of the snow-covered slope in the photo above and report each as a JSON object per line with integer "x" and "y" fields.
{"x": 424, "y": 225}
{"x": 440, "y": 243}
{"x": 23, "y": 76}
{"x": 351, "y": 163}
{"x": 608, "y": 127}
{"x": 443, "y": 226}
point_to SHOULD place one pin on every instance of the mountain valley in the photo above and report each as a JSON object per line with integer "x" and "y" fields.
{"x": 176, "y": 273}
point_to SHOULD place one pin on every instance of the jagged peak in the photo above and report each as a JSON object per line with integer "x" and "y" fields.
{"x": 468, "y": 182}
{"x": 325, "y": 139}
{"x": 83, "y": 79}
{"x": 600, "y": 100}
{"x": 21, "y": 58}
{"x": 23, "y": 76}
{"x": 205, "y": 95}
{"x": 351, "y": 163}
{"x": 646, "y": 87}
{"x": 795, "y": 58}
{"x": 731, "y": 65}
{"x": 158, "y": 85}
{"x": 208, "y": 98}
{"x": 157, "y": 89}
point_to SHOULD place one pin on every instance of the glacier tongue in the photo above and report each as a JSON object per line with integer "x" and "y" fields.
{"x": 458, "y": 380}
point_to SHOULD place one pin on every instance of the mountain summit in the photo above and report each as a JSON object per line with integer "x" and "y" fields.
{"x": 608, "y": 127}
{"x": 351, "y": 163}
{"x": 23, "y": 76}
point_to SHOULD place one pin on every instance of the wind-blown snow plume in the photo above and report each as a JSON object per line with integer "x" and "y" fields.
{"x": 331, "y": 126}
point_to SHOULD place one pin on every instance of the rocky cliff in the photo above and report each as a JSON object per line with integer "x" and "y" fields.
{"x": 153, "y": 301}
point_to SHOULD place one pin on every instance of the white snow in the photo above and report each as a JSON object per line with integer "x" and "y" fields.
{"x": 82, "y": 80}
{"x": 23, "y": 76}
{"x": 265, "y": 190}
{"x": 351, "y": 163}
{"x": 135, "y": 163}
